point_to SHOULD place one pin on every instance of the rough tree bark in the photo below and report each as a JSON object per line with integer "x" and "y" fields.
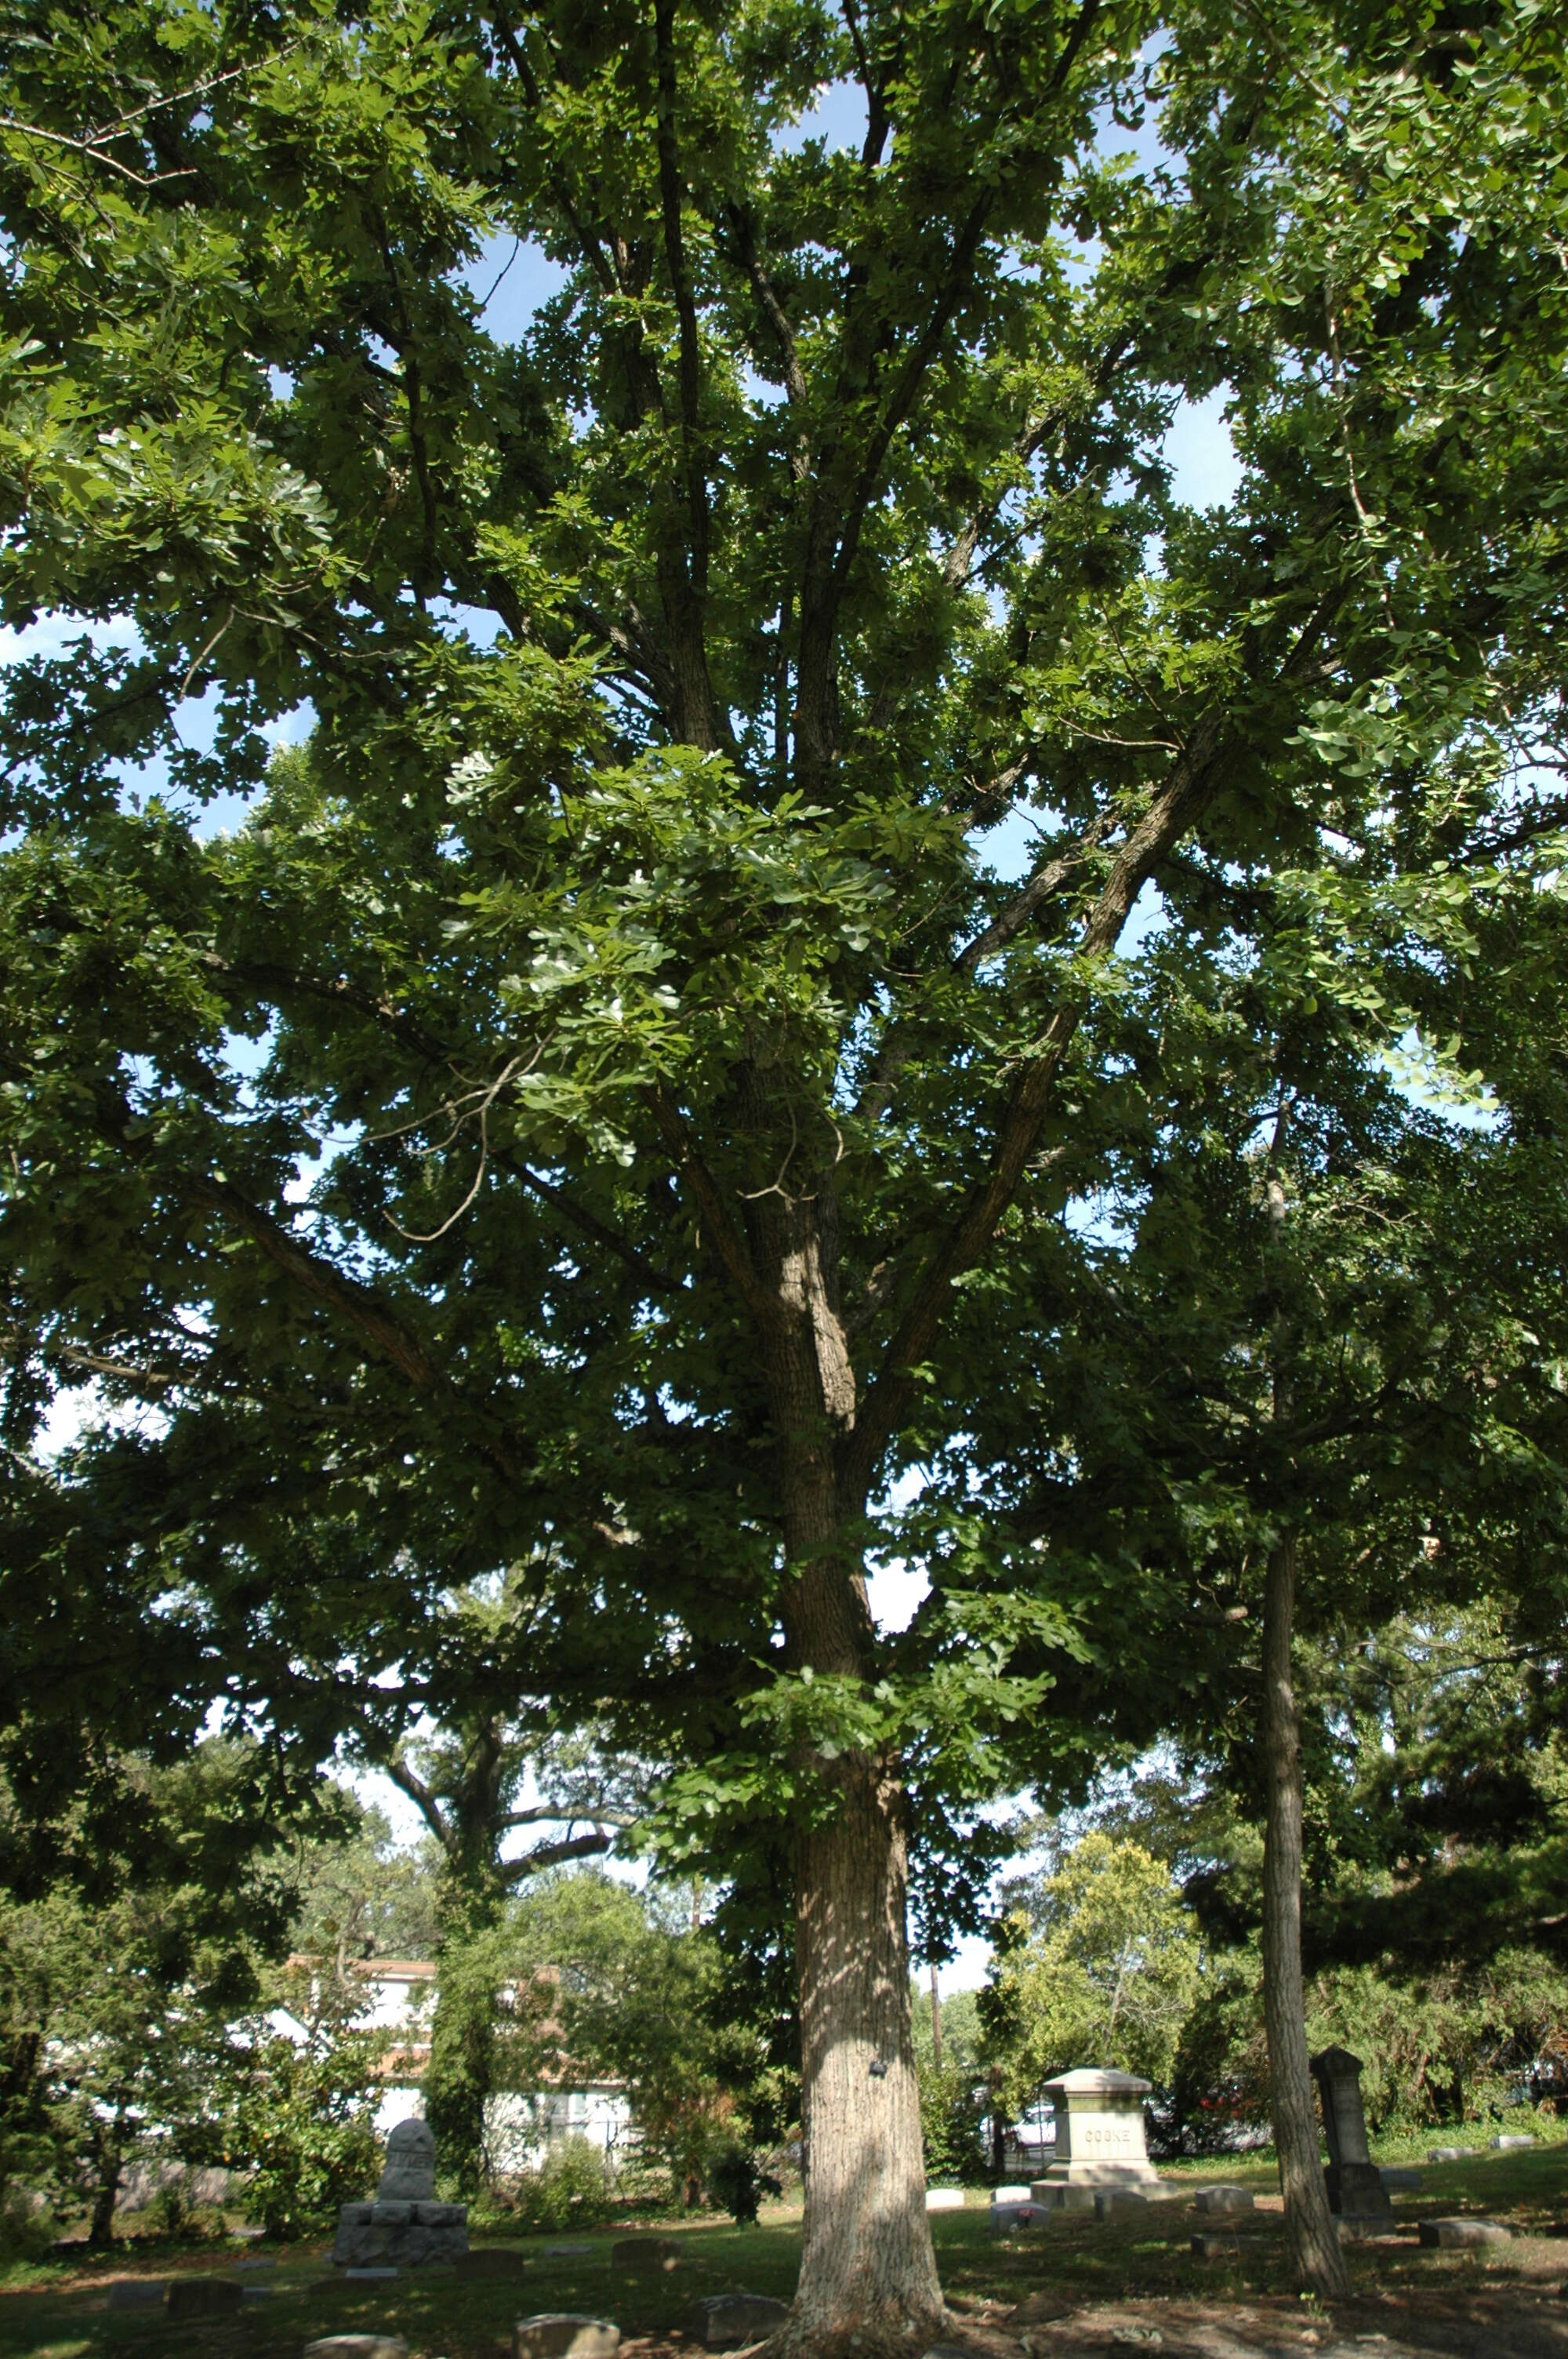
{"x": 1310, "y": 2226}
{"x": 868, "y": 2275}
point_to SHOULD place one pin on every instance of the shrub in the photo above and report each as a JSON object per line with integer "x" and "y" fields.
{"x": 27, "y": 2229}
{"x": 301, "y": 2121}
{"x": 567, "y": 2190}
{"x": 737, "y": 2185}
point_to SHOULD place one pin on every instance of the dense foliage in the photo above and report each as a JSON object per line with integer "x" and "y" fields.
{"x": 600, "y": 1108}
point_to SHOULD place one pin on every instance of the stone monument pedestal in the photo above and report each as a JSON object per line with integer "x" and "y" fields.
{"x": 405, "y": 2225}
{"x": 400, "y": 2236}
{"x": 1099, "y": 2135}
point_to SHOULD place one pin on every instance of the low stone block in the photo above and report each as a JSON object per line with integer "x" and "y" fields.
{"x": 1506, "y": 2142}
{"x": 1210, "y": 2245}
{"x": 944, "y": 2199}
{"x": 1071, "y": 2199}
{"x": 357, "y": 2346}
{"x": 726, "y": 2321}
{"x": 203, "y": 2297}
{"x": 564, "y": 2334}
{"x": 137, "y": 2293}
{"x": 1010, "y": 2195}
{"x": 241, "y": 2267}
{"x": 491, "y": 2261}
{"x": 1006, "y": 2217}
{"x": 1223, "y": 2199}
{"x": 391, "y": 2215}
{"x": 1362, "y": 2228}
{"x": 371, "y": 2276}
{"x": 1118, "y": 2203}
{"x": 440, "y": 2216}
{"x": 356, "y": 2215}
{"x": 647, "y": 2255}
{"x": 1401, "y": 2182}
{"x": 1464, "y": 2235}
{"x": 572, "y": 2245}
{"x": 1449, "y": 2153}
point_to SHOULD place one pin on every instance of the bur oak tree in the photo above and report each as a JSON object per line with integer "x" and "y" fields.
{"x": 565, "y": 1113}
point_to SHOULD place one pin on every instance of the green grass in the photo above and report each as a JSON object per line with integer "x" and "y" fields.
{"x": 63, "y": 2314}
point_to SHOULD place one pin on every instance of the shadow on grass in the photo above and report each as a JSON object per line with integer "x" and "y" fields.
{"x": 1074, "y": 2259}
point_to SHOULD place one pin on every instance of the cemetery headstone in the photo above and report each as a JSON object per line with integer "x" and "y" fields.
{"x": 1507, "y": 2143}
{"x": 1401, "y": 2182}
{"x": 1118, "y": 2202}
{"x": 203, "y": 2297}
{"x": 647, "y": 2255}
{"x": 408, "y": 2174}
{"x": 491, "y": 2261}
{"x": 1223, "y": 2199}
{"x": 944, "y": 2199}
{"x": 137, "y": 2293}
{"x": 564, "y": 2334}
{"x": 725, "y": 2321}
{"x": 1099, "y": 2133}
{"x": 1020, "y": 2212}
{"x": 404, "y": 2227}
{"x": 1462, "y": 2235}
{"x": 1356, "y": 2189}
{"x": 357, "y": 2346}
{"x": 1449, "y": 2153}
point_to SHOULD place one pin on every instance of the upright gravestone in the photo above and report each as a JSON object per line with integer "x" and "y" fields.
{"x": 405, "y": 2226}
{"x": 1099, "y": 2135}
{"x": 1356, "y": 2189}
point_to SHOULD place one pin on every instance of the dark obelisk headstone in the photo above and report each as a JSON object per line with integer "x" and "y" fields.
{"x": 1355, "y": 2190}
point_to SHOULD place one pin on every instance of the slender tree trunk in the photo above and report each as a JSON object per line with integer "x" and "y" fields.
{"x": 1310, "y": 2226}
{"x": 936, "y": 2019}
{"x": 460, "y": 2074}
{"x": 110, "y": 2159}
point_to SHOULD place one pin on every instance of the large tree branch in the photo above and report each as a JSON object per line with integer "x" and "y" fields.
{"x": 1192, "y": 780}
{"x": 728, "y": 1242}
{"x": 898, "y": 1043}
{"x": 555, "y": 1855}
{"x": 354, "y": 1303}
{"x": 425, "y": 1800}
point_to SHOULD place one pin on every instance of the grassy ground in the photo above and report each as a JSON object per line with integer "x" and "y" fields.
{"x": 63, "y": 2313}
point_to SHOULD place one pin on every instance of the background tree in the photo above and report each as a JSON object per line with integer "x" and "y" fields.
{"x": 121, "y": 1999}
{"x": 1102, "y": 1969}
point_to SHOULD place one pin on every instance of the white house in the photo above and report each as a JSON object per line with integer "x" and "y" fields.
{"x": 521, "y": 2125}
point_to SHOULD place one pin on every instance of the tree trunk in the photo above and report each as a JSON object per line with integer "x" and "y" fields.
{"x": 1310, "y": 2226}
{"x": 109, "y": 2158}
{"x": 460, "y": 2074}
{"x": 868, "y": 2274}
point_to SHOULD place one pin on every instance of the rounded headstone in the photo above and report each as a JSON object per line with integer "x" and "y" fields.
{"x": 357, "y": 2346}
{"x": 410, "y": 2173}
{"x": 565, "y": 2334}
